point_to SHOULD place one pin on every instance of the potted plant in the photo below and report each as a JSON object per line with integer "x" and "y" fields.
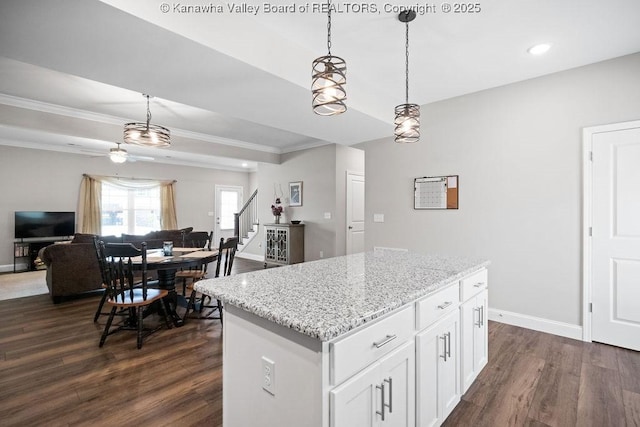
{"x": 276, "y": 210}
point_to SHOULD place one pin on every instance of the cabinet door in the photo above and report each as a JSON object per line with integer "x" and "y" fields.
{"x": 354, "y": 402}
{"x": 428, "y": 351}
{"x": 481, "y": 336}
{"x": 469, "y": 317}
{"x": 449, "y": 366}
{"x": 386, "y": 387}
{"x": 474, "y": 339}
{"x": 438, "y": 390}
{"x": 398, "y": 375}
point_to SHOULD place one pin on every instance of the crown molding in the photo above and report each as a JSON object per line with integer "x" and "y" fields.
{"x": 46, "y": 107}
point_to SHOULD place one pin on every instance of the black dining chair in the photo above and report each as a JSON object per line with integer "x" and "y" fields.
{"x": 103, "y": 274}
{"x": 226, "y": 254}
{"x": 125, "y": 292}
{"x": 103, "y": 267}
{"x": 195, "y": 239}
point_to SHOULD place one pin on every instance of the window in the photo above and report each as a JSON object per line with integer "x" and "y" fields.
{"x": 228, "y": 207}
{"x": 130, "y": 210}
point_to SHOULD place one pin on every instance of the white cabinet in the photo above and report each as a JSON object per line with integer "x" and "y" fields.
{"x": 406, "y": 368}
{"x": 437, "y": 371}
{"x": 474, "y": 337}
{"x": 382, "y": 395}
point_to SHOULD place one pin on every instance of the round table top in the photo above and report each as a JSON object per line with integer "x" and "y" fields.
{"x": 157, "y": 261}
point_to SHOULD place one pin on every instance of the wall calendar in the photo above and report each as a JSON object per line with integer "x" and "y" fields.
{"x": 436, "y": 192}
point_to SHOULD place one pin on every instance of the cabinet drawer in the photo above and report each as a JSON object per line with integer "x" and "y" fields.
{"x": 473, "y": 284}
{"x": 364, "y": 347}
{"x": 437, "y": 305}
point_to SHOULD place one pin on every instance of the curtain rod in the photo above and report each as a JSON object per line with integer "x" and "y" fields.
{"x": 128, "y": 177}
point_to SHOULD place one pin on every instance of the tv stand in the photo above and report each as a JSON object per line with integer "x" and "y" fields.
{"x": 28, "y": 252}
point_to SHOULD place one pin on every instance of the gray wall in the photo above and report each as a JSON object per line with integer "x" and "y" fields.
{"x": 518, "y": 151}
{"x": 50, "y": 181}
{"x": 323, "y": 173}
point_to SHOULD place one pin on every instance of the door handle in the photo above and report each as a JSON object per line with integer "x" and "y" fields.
{"x": 479, "y": 324}
{"x": 350, "y": 227}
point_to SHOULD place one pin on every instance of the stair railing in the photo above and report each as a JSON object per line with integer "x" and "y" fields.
{"x": 247, "y": 217}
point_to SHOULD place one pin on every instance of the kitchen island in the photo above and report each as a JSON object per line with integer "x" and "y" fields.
{"x": 351, "y": 340}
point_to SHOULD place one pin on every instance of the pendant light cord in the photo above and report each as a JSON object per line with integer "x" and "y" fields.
{"x": 148, "y": 113}
{"x": 407, "y": 64}
{"x": 329, "y": 26}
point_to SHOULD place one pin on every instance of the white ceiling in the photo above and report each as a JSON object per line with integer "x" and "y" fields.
{"x": 233, "y": 87}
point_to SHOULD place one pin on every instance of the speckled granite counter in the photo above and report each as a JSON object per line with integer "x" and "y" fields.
{"x": 327, "y": 298}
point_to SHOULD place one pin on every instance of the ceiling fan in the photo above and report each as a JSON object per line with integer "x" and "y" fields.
{"x": 119, "y": 155}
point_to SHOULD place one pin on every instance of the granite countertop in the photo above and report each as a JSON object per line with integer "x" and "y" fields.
{"x": 327, "y": 298}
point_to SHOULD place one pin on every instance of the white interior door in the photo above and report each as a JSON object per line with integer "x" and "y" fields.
{"x": 616, "y": 237}
{"x": 355, "y": 213}
{"x": 229, "y": 200}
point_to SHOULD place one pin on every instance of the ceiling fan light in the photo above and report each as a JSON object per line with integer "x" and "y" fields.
{"x": 118, "y": 155}
{"x": 407, "y": 123}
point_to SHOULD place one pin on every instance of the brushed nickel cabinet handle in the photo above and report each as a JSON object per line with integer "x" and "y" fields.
{"x": 381, "y": 388}
{"x": 444, "y": 347}
{"x": 385, "y": 341}
{"x": 390, "y": 405}
{"x": 478, "y": 285}
{"x": 445, "y": 305}
{"x": 479, "y": 324}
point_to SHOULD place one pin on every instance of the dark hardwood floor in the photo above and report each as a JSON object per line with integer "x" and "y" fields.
{"x": 52, "y": 373}
{"x": 536, "y": 379}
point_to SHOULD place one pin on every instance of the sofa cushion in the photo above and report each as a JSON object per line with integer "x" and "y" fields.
{"x": 83, "y": 238}
{"x": 111, "y": 239}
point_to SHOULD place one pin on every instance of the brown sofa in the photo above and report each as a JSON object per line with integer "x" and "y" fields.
{"x": 72, "y": 268}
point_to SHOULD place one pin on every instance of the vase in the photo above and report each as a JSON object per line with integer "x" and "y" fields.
{"x": 277, "y": 219}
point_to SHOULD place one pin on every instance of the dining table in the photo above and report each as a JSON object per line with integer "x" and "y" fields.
{"x": 166, "y": 267}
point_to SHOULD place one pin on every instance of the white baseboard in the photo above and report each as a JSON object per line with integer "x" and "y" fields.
{"x": 536, "y": 323}
{"x": 8, "y": 268}
{"x": 250, "y": 256}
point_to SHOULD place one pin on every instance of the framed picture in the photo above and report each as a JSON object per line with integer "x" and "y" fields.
{"x": 295, "y": 193}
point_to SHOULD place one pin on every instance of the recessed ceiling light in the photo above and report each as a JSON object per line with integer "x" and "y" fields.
{"x": 539, "y": 49}
{"x": 245, "y": 164}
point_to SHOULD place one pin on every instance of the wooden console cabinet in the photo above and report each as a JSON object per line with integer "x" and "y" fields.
{"x": 284, "y": 244}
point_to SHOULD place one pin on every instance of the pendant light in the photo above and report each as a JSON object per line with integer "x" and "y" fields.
{"x": 118, "y": 155}
{"x": 407, "y": 119}
{"x": 329, "y": 79}
{"x": 147, "y": 134}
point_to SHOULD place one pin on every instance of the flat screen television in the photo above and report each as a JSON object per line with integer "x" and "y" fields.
{"x": 31, "y": 224}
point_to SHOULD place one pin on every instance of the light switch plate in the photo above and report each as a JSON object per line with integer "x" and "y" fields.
{"x": 378, "y": 217}
{"x": 327, "y": 215}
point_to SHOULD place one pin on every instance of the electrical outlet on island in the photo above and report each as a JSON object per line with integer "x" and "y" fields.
{"x": 268, "y": 375}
